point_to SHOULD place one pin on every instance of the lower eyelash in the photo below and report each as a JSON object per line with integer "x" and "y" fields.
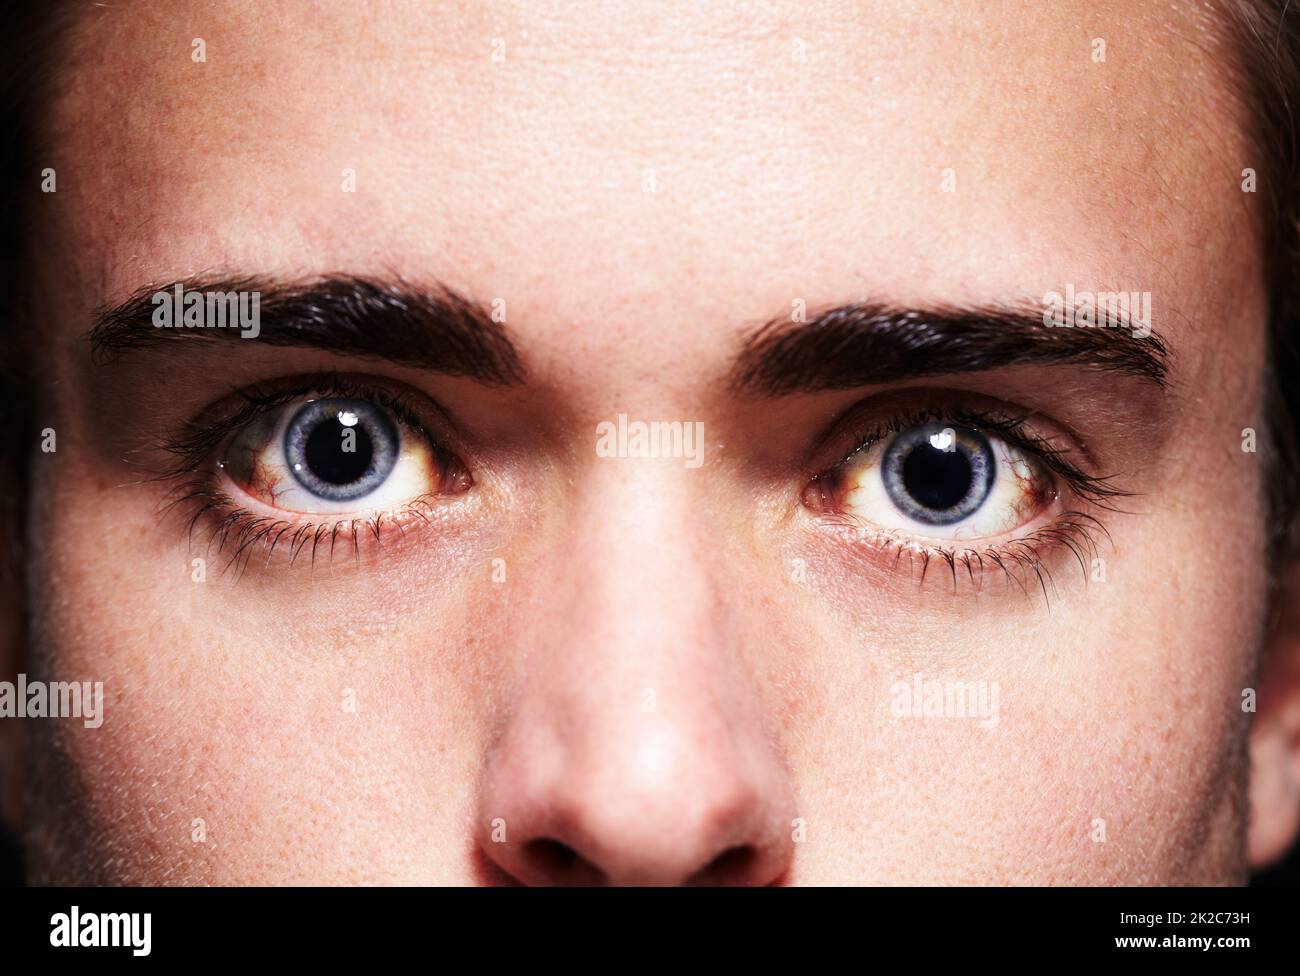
{"x": 231, "y": 526}
{"x": 1025, "y": 561}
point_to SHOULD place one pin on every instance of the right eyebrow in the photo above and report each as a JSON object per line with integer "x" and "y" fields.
{"x": 436, "y": 329}
{"x": 865, "y": 344}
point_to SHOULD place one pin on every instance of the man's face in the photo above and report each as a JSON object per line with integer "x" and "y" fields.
{"x": 532, "y": 652}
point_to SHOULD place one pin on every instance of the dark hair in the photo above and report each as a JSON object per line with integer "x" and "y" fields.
{"x": 1265, "y": 45}
{"x": 27, "y": 74}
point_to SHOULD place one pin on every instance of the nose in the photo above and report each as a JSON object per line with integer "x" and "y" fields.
{"x": 635, "y": 750}
{"x": 659, "y": 807}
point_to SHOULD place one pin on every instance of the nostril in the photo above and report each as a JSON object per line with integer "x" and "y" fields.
{"x": 559, "y": 863}
{"x": 551, "y": 854}
{"x": 732, "y": 866}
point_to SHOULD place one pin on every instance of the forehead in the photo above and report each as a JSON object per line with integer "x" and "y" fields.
{"x": 702, "y": 160}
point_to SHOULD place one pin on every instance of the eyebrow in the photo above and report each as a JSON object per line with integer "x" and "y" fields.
{"x": 435, "y": 329}
{"x": 865, "y": 344}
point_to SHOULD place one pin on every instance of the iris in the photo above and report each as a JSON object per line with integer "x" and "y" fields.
{"x": 938, "y": 474}
{"x": 341, "y": 450}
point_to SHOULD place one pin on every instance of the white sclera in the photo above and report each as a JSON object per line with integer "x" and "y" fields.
{"x": 414, "y": 474}
{"x": 1009, "y": 504}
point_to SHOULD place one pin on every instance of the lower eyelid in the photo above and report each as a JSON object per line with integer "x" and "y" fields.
{"x": 1028, "y": 563}
{"x": 219, "y": 524}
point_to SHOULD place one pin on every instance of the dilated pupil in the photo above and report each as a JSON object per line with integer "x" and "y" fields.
{"x": 937, "y": 478}
{"x": 338, "y": 454}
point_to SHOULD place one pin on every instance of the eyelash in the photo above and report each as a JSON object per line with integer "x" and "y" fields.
{"x": 1021, "y": 560}
{"x": 232, "y": 525}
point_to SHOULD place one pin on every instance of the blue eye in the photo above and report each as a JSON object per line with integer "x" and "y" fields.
{"x": 341, "y": 450}
{"x": 937, "y": 474}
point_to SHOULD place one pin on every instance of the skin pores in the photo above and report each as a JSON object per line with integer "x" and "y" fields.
{"x": 679, "y": 661}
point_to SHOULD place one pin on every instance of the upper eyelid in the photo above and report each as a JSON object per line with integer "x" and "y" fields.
{"x": 1009, "y": 422}
{"x": 927, "y": 402}
{"x": 859, "y": 432}
{"x": 198, "y": 437}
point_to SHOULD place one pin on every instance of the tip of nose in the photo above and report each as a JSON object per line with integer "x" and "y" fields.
{"x": 661, "y": 811}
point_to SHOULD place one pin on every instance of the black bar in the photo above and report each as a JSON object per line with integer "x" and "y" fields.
{"x": 862, "y": 927}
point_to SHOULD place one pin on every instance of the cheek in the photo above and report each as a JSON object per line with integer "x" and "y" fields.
{"x": 1093, "y": 761}
{"x": 253, "y": 731}
{"x": 1114, "y": 753}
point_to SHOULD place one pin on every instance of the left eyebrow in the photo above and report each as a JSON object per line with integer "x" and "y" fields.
{"x": 865, "y": 344}
{"x": 431, "y": 328}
